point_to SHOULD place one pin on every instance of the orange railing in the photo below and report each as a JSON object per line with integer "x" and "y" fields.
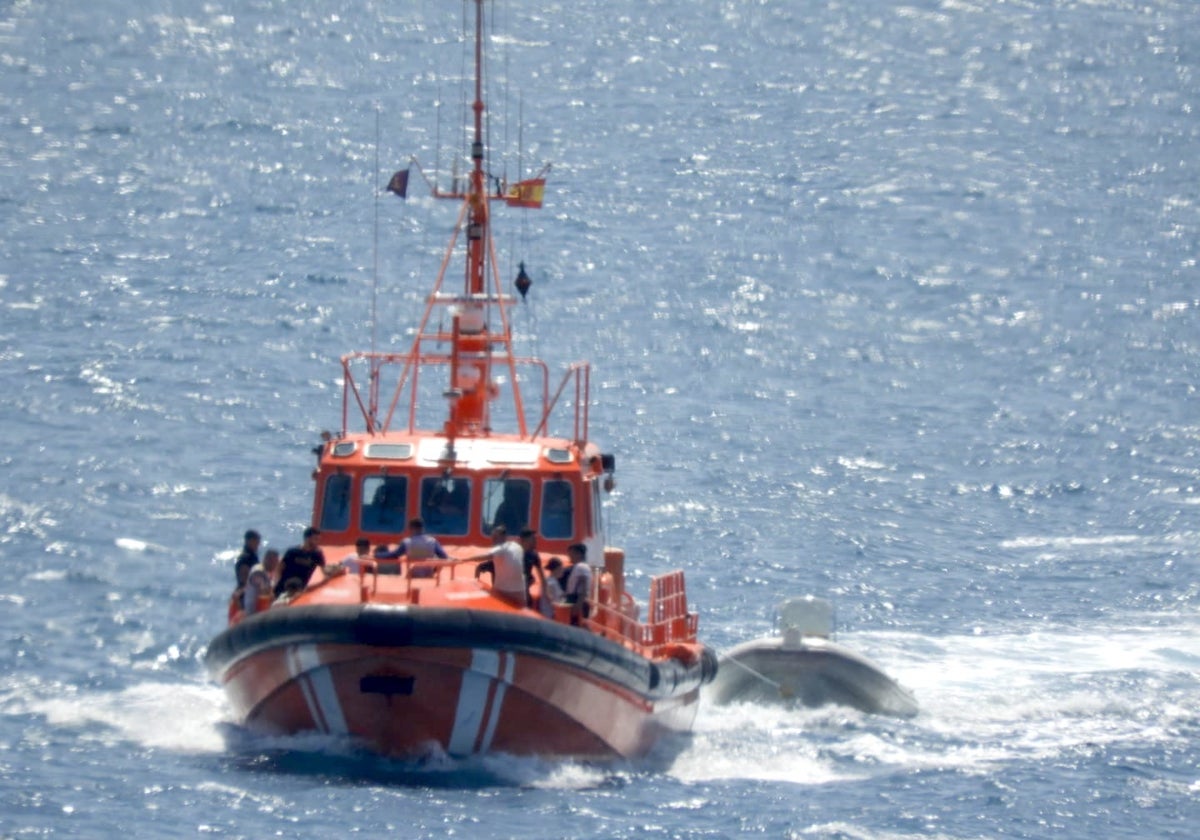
{"x": 576, "y": 382}
{"x": 668, "y": 621}
{"x": 613, "y": 614}
{"x": 407, "y": 570}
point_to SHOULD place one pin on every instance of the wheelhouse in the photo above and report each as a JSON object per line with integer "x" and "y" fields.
{"x": 462, "y": 489}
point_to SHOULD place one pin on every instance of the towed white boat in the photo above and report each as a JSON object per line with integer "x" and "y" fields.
{"x": 802, "y": 665}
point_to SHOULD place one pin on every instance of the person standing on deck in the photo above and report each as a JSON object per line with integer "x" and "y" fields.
{"x": 248, "y": 559}
{"x": 532, "y": 564}
{"x": 506, "y": 561}
{"x": 552, "y": 591}
{"x": 260, "y": 584}
{"x": 300, "y": 561}
{"x": 579, "y": 583}
{"x": 417, "y": 546}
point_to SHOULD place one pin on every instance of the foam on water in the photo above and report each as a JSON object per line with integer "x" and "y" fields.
{"x": 984, "y": 700}
{"x": 173, "y": 716}
{"x": 140, "y": 546}
{"x": 319, "y": 754}
{"x": 742, "y": 741}
{"x": 1070, "y": 542}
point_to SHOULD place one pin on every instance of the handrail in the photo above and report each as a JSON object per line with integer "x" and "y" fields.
{"x": 669, "y": 624}
{"x": 437, "y": 564}
{"x": 668, "y": 621}
{"x": 578, "y": 371}
{"x": 577, "y": 374}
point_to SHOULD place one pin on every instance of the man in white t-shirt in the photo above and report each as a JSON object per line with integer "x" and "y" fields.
{"x": 579, "y": 582}
{"x": 360, "y": 560}
{"x": 552, "y": 592}
{"x": 260, "y": 584}
{"x": 506, "y": 561}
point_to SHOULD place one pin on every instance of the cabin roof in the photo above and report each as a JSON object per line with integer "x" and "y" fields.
{"x": 431, "y": 451}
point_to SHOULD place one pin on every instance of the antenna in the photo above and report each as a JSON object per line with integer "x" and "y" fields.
{"x": 373, "y": 405}
{"x": 520, "y": 135}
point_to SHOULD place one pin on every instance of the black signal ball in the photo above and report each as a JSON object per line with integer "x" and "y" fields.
{"x": 522, "y": 282}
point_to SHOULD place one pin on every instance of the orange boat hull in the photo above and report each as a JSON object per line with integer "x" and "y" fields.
{"x": 415, "y": 682}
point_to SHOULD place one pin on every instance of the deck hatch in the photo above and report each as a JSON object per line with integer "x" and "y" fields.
{"x": 558, "y": 456}
{"x": 389, "y": 451}
{"x": 512, "y": 453}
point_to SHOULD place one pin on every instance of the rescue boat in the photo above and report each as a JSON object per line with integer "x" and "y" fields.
{"x": 424, "y": 656}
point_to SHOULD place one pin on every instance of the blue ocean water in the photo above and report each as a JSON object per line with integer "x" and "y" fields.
{"x": 891, "y": 304}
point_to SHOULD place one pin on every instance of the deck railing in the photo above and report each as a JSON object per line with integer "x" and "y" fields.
{"x": 613, "y": 615}
{"x": 668, "y": 621}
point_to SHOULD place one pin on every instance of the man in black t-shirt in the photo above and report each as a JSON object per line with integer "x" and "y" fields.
{"x": 533, "y": 563}
{"x": 299, "y": 561}
{"x": 248, "y": 559}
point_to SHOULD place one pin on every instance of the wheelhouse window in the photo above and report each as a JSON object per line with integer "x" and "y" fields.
{"x": 335, "y": 503}
{"x": 505, "y": 502}
{"x": 446, "y": 505}
{"x": 558, "y": 510}
{"x": 385, "y": 504}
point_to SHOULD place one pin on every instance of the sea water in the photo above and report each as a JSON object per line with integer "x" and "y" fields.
{"x": 893, "y": 304}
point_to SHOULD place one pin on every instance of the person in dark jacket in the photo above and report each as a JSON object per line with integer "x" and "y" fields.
{"x": 248, "y": 559}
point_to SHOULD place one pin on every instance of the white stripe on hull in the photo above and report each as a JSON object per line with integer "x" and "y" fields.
{"x": 316, "y": 684}
{"x": 474, "y": 712}
{"x": 497, "y": 702}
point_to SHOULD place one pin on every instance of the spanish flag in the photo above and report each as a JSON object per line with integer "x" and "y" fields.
{"x": 526, "y": 193}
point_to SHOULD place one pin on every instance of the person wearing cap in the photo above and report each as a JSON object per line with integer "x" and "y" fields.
{"x": 300, "y": 561}
{"x": 248, "y": 559}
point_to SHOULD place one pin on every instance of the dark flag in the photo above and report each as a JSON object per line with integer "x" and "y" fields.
{"x": 399, "y": 183}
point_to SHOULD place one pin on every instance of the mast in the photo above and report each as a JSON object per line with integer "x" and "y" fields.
{"x": 477, "y": 229}
{"x": 472, "y": 334}
{"x": 470, "y": 364}
{"x": 475, "y": 345}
